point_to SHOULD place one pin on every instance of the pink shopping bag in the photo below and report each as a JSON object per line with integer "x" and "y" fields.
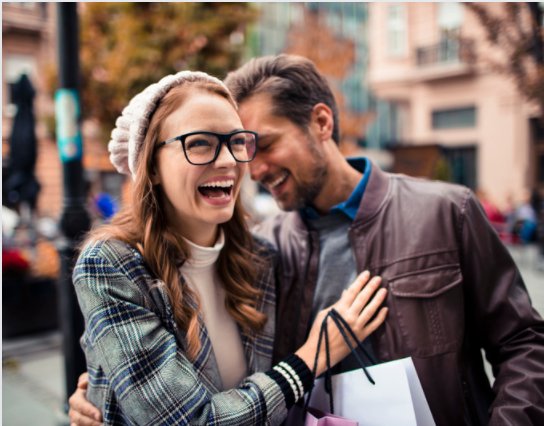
{"x": 316, "y": 417}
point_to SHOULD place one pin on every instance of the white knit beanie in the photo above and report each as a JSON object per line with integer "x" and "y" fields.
{"x": 131, "y": 127}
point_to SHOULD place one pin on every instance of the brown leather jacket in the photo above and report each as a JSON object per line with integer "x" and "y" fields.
{"x": 453, "y": 290}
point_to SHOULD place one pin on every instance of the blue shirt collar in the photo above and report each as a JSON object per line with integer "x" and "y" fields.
{"x": 351, "y": 205}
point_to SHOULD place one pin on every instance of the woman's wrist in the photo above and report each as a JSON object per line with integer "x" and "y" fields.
{"x": 307, "y": 354}
{"x": 294, "y": 378}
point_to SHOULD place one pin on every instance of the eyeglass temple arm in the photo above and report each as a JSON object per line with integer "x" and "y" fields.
{"x": 168, "y": 141}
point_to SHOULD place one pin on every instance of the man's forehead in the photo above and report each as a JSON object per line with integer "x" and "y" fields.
{"x": 258, "y": 110}
{"x": 260, "y": 100}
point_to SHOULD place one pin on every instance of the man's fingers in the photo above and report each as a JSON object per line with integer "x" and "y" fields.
{"x": 82, "y": 412}
{"x": 83, "y": 381}
{"x": 365, "y": 294}
{"x": 77, "y": 419}
{"x": 349, "y": 295}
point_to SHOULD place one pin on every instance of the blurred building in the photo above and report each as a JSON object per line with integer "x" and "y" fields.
{"x": 458, "y": 119}
{"x": 345, "y": 21}
{"x": 29, "y": 46}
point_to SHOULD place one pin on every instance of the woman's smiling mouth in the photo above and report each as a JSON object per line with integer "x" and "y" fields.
{"x": 217, "y": 190}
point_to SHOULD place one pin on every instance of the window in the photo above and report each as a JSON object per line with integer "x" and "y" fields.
{"x": 462, "y": 162}
{"x": 450, "y": 16}
{"x": 454, "y": 118}
{"x": 396, "y": 30}
{"x": 24, "y": 5}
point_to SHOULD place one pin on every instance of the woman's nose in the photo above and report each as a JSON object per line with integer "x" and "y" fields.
{"x": 224, "y": 158}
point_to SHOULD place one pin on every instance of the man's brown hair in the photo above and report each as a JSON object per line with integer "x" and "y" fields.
{"x": 294, "y": 84}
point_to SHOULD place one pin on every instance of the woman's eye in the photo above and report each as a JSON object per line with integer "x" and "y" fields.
{"x": 238, "y": 141}
{"x": 198, "y": 143}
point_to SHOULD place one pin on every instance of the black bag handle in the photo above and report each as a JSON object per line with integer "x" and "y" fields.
{"x": 322, "y": 331}
{"x": 350, "y": 330}
{"x": 340, "y": 323}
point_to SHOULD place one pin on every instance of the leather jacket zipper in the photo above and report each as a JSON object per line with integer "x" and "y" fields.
{"x": 299, "y": 304}
{"x": 470, "y": 415}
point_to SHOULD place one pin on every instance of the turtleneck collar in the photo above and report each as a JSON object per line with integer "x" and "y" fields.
{"x": 204, "y": 257}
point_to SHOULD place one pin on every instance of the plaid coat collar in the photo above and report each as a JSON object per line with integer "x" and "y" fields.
{"x": 257, "y": 347}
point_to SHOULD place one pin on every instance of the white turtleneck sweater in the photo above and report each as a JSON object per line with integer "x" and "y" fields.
{"x": 200, "y": 274}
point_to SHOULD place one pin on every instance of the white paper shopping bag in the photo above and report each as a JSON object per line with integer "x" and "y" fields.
{"x": 396, "y": 398}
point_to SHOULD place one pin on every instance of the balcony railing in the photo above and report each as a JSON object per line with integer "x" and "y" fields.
{"x": 450, "y": 51}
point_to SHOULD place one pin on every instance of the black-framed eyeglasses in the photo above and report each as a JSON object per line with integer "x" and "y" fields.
{"x": 203, "y": 147}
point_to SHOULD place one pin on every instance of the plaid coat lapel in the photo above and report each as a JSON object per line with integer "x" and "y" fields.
{"x": 205, "y": 362}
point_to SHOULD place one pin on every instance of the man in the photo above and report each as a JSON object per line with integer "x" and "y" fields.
{"x": 453, "y": 287}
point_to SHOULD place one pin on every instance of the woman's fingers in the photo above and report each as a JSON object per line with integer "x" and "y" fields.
{"x": 365, "y": 294}
{"x": 349, "y": 295}
{"x": 375, "y": 323}
{"x": 372, "y": 307}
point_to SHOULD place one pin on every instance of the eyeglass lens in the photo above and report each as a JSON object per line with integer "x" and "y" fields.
{"x": 201, "y": 147}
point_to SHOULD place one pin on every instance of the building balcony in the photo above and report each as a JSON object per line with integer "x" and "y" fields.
{"x": 447, "y": 59}
{"x": 30, "y": 18}
{"x": 446, "y": 52}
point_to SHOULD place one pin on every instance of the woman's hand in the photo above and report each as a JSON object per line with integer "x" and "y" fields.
{"x": 352, "y": 308}
{"x": 82, "y": 412}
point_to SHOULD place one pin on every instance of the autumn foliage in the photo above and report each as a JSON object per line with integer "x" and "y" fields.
{"x": 516, "y": 31}
{"x": 334, "y": 56}
{"x": 127, "y": 46}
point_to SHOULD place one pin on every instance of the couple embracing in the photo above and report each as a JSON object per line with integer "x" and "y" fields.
{"x": 193, "y": 319}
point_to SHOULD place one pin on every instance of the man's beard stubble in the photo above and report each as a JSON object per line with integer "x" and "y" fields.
{"x": 307, "y": 189}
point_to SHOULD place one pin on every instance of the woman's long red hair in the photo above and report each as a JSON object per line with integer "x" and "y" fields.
{"x": 142, "y": 225}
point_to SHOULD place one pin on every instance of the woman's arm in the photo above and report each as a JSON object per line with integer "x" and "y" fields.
{"x": 151, "y": 376}
{"x": 152, "y": 380}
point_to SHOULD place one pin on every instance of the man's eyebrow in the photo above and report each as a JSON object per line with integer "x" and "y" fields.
{"x": 266, "y": 135}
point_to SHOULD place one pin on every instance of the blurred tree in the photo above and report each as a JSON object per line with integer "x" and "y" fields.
{"x": 442, "y": 170}
{"x": 517, "y": 30}
{"x": 333, "y": 56}
{"x": 125, "y": 47}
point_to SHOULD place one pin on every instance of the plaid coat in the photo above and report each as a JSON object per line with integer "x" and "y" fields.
{"x": 136, "y": 355}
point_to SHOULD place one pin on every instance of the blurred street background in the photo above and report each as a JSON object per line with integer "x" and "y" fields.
{"x": 448, "y": 91}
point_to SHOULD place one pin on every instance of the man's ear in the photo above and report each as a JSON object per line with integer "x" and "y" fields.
{"x": 323, "y": 120}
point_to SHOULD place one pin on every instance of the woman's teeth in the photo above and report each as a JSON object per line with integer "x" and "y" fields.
{"x": 217, "y": 190}
{"x": 224, "y": 195}
{"x": 221, "y": 184}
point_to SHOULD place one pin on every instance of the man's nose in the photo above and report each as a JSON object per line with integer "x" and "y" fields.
{"x": 224, "y": 158}
{"x": 257, "y": 168}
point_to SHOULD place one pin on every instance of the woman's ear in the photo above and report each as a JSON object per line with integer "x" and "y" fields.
{"x": 155, "y": 180}
{"x": 322, "y": 118}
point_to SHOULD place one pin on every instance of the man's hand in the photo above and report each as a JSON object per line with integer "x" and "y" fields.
{"x": 82, "y": 412}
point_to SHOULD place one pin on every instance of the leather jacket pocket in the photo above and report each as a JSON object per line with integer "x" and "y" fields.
{"x": 429, "y": 309}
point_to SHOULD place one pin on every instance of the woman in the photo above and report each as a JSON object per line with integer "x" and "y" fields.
{"x": 178, "y": 297}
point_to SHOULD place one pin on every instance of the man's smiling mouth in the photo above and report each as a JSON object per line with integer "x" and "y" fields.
{"x": 271, "y": 185}
{"x": 217, "y": 190}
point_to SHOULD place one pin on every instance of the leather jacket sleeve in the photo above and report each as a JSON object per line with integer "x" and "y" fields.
{"x": 504, "y": 323}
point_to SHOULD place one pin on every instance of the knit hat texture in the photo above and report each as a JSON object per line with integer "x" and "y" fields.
{"x": 131, "y": 127}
